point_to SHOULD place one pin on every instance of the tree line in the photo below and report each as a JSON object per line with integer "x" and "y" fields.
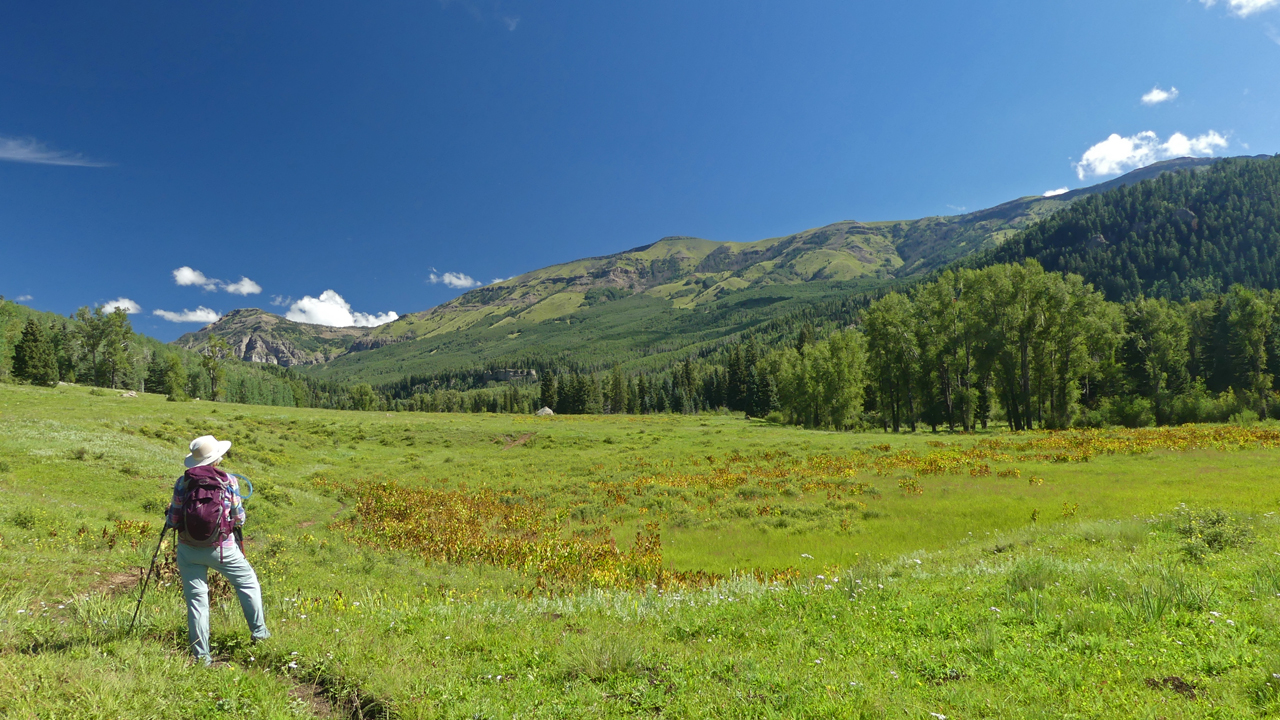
{"x": 100, "y": 348}
{"x": 1007, "y": 343}
{"x": 1010, "y": 343}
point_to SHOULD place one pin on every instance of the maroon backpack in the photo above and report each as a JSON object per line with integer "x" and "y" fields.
{"x": 203, "y": 520}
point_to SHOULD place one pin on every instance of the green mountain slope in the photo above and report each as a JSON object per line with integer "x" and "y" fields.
{"x": 640, "y": 331}
{"x": 1181, "y": 235}
{"x": 641, "y": 305}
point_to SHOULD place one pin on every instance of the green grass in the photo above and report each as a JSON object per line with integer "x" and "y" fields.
{"x": 950, "y": 601}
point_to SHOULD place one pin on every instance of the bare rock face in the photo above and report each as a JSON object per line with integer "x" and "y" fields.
{"x": 261, "y": 349}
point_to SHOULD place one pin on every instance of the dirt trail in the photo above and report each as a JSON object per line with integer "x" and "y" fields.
{"x": 517, "y": 441}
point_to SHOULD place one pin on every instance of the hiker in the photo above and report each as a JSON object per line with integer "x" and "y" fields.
{"x": 207, "y": 514}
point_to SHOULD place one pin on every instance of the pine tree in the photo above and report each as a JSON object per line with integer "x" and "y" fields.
{"x": 737, "y": 387}
{"x": 805, "y": 338}
{"x": 617, "y": 395}
{"x": 63, "y": 337}
{"x": 547, "y": 390}
{"x": 767, "y": 398}
{"x": 34, "y": 359}
{"x": 646, "y": 400}
{"x": 117, "y": 343}
{"x": 174, "y": 379}
{"x": 156, "y": 368}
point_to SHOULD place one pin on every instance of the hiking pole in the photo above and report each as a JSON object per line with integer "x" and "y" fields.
{"x": 146, "y": 582}
{"x": 239, "y": 532}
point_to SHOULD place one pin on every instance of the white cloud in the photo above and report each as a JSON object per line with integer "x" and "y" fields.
{"x": 201, "y": 314}
{"x": 30, "y": 150}
{"x": 1055, "y": 193}
{"x": 1244, "y": 8}
{"x": 244, "y": 287}
{"x": 458, "y": 281}
{"x": 1118, "y": 154}
{"x": 189, "y": 276}
{"x": 23, "y": 298}
{"x": 1159, "y": 95}
{"x": 1206, "y": 144}
{"x": 125, "y": 304}
{"x": 330, "y": 309}
{"x": 281, "y": 300}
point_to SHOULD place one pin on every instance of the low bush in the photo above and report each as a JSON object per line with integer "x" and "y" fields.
{"x": 1209, "y": 531}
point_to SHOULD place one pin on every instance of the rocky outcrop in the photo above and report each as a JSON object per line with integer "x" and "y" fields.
{"x": 262, "y": 349}
{"x": 373, "y": 343}
{"x": 261, "y": 337}
{"x": 509, "y": 374}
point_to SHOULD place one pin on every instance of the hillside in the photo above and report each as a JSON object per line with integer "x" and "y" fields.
{"x": 642, "y": 304}
{"x": 1183, "y": 235}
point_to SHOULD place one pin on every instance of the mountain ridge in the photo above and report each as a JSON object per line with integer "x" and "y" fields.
{"x": 649, "y": 287}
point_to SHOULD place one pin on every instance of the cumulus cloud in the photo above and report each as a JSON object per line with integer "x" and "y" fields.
{"x": 124, "y": 304}
{"x": 458, "y": 281}
{"x": 1159, "y": 95}
{"x": 23, "y": 298}
{"x": 30, "y": 150}
{"x": 1055, "y": 193}
{"x": 189, "y": 276}
{"x": 1118, "y": 154}
{"x": 330, "y": 309}
{"x": 244, "y": 287}
{"x": 201, "y": 314}
{"x": 1244, "y": 8}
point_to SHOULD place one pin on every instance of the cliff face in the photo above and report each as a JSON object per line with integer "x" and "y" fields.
{"x": 275, "y": 351}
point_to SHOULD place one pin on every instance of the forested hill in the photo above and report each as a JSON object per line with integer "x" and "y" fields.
{"x": 1180, "y": 235}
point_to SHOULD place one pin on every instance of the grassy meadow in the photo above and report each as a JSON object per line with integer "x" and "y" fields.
{"x": 497, "y": 566}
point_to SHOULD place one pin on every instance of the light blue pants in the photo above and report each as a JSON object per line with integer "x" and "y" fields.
{"x": 193, "y": 565}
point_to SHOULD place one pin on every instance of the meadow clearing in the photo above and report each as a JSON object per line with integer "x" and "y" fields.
{"x": 498, "y": 566}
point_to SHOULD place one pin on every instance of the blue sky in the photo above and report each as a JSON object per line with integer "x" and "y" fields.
{"x": 388, "y": 152}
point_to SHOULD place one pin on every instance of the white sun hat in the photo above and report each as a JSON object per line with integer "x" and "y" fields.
{"x": 206, "y": 449}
